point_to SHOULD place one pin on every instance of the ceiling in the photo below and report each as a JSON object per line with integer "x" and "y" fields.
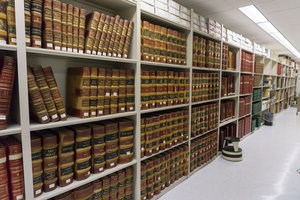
{"x": 283, "y": 14}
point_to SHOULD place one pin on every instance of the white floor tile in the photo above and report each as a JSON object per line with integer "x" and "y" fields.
{"x": 271, "y": 156}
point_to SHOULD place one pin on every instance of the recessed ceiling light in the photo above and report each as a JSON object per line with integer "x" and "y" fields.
{"x": 257, "y": 17}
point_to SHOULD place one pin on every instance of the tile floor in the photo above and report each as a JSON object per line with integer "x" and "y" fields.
{"x": 267, "y": 172}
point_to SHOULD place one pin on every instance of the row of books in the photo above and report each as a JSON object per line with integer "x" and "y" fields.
{"x": 62, "y": 155}
{"x": 228, "y": 85}
{"x": 203, "y": 149}
{"x": 163, "y": 88}
{"x": 163, "y": 130}
{"x": 226, "y": 131}
{"x": 244, "y": 106}
{"x": 45, "y": 101}
{"x": 256, "y": 108}
{"x": 93, "y": 91}
{"x": 259, "y": 68}
{"x": 118, "y": 185}
{"x": 160, "y": 172}
{"x": 244, "y": 126}
{"x": 11, "y": 169}
{"x": 204, "y": 118}
{"x": 257, "y": 94}
{"x": 247, "y": 62}
{"x": 7, "y": 79}
{"x": 227, "y": 110}
{"x": 8, "y": 22}
{"x": 61, "y": 26}
{"x": 257, "y": 81}
{"x": 206, "y": 53}
{"x": 205, "y": 86}
{"x": 246, "y": 84}
{"x": 161, "y": 44}
{"x": 228, "y": 58}
{"x": 255, "y": 123}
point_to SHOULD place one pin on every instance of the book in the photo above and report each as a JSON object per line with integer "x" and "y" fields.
{"x": 122, "y": 91}
{"x": 69, "y": 27}
{"x": 81, "y": 30}
{"x": 45, "y": 92}
{"x": 246, "y": 84}
{"x": 92, "y": 21}
{"x": 4, "y": 173}
{"x": 205, "y": 86}
{"x": 37, "y": 167}
{"x": 78, "y": 93}
{"x": 114, "y": 91}
{"x": 99, "y": 31}
{"x": 247, "y": 62}
{"x": 128, "y": 40}
{"x": 7, "y": 79}
{"x": 103, "y": 35}
{"x": 3, "y": 19}
{"x": 107, "y": 91}
{"x": 109, "y": 35}
{"x": 36, "y": 23}
{"x": 228, "y": 85}
{"x": 11, "y": 22}
{"x": 48, "y": 24}
{"x": 64, "y": 26}
{"x": 57, "y": 24}
{"x": 117, "y": 27}
{"x": 227, "y": 110}
{"x": 75, "y": 28}
{"x": 101, "y": 91}
{"x": 130, "y": 90}
{"x": 50, "y": 78}
{"x": 27, "y": 11}
{"x": 36, "y": 102}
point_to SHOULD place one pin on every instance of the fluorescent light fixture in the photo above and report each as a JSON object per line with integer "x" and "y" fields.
{"x": 268, "y": 27}
{"x": 257, "y": 17}
{"x": 254, "y": 14}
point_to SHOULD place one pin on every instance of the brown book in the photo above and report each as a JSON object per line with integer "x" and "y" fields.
{"x": 55, "y": 93}
{"x": 120, "y": 40}
{"x": 57, "y": 24}
{"x": 93, "y": 91}
{"x": 81, "y": 31}
{"x": 118, "y": 24}
{"x": 36, "y": 23}
{"x": 48, "y": 24}
{"x": 70, "y": 28}
{"x": 108, "y": 36}
{"x": 107, "y": 91}
{"x": 78, "y": 93}
{"x": 75, "y": 26}
{"x": 11, "y": 22}
{"x": 114, "y": 91}
{"x": 45, "y": 92}
{"x": 3, "y": 19}
{"x": 27, "y": 11}
{"x": 101, "y": 91}
{"x": 145, "y": 81}
{"x": 7, "y": 78}
{"x": 122, "y": 91}
{"x": 64, "y": 26}
{"x": 92, "y": 21}
{"x": 128, "y": 40}
{"x": 4, "y": 172}
{"x": 130, "y": 86}
{"x": 36, "y": 101}
{"x": 99, "y": 31}
{"x": 103, "y": 35}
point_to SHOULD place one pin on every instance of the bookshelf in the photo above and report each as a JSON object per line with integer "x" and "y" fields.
{"x": 62, "y": 60}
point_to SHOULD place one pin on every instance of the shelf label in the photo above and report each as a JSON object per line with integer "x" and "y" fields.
{"x": 63, "y": 115}
{"x": 68, "y": 180}
{"x": 19, "y": 197}
{"x": 49, "y": 45}
{"x": 2, "y": 160}
{"x": 52, "y": 185}
{"x": 2, "y": 117}
{"x": 112, "y": 164}
{"x": 100, "y": 112}
{"x": 86, "y": 114}
{"x": 93, "y": 113}
{"x": 38, "y": 192}
{"x": 88, "y": 51}
{"x": 38, "y": 42}
{"x": 101, "y": 169}
{"x": 45, "y": 118}
{"x": 54, "y": 116}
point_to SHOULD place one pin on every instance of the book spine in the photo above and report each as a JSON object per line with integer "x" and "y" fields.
{"x": 36, "y": 23}
{"x": 114, "y": 91}
{"x": 128, "y": 40}
{"x": 57, "y": 23}
{"x": 64, "y": 26}
{"x": 92, "y": 22}
{"x": 145, "y": 81}
{"x": 11, "y": 22}
{"x": 130, "y": 84}
{"x": 55, "y": 93}
{"x": 47, "y": 24}
{"x": 27, "y": 11}
{"x": 122, "y": 91}
{"x": 70, "y": 28}
{"x": 75, "y": 27}
{"x": 93, "y": 91}
{"x": 81, "y": 31}
{"x": 101, "y": 91}
{"x": 107, "y": 91}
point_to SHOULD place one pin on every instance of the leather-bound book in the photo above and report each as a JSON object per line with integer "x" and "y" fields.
{"x": 36, "y": 23}
{"x": 27, "y": 11}
{"x": 75, "y": 27}
{"x": 92, "y": 21}
{"x": 99, "y": 31}
{"x": 130, "y": 86}
{"x": 57, "y": 32}
{"x": 101, "y": 91}
{"x": 69, "y": 27}
{"x": 11, "y": 22}
{"x": 64, "y": 26}
{"x": 48, "y": 23}
{"x": 81, "y": 31}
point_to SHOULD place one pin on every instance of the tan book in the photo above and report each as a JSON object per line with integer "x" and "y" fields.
{"x": 128, "y": 39}
{"x": 75, "y": 26}
{"x": 70, "y": 28}
{"x": 48, "y": 24}
{"x": 116, "y": 28}
{"x": 81, "y": 31}
{"x": 93, "y": 91}
{"x": 92, "y": 21}
{"x": 11, "y": 22}
{"x": 108, "y": 36}
{"x": 103, "y": 35}
{"x": 78, "y": 93}
{"x": 57, "y": 24}
{"x": 64, "y": 25}
{"x": 98, "y": 33}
